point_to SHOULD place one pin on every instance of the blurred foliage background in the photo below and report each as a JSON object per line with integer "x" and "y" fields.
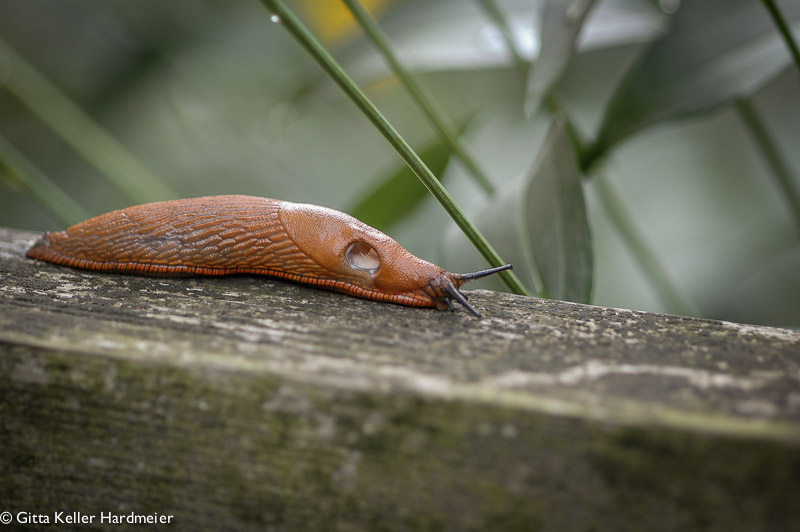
{"x": 639, "y": 154}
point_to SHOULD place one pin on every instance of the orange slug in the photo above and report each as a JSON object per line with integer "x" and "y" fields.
{"x": 222, "y": 235}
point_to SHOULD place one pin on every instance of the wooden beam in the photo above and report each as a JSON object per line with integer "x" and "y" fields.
{"x": 248, "y": 403}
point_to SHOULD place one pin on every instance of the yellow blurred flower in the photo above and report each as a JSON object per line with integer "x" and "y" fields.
{"x": 332, "y": 21}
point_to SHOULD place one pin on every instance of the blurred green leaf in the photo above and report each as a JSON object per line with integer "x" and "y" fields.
{"x": 560, "y": 25}
{"x": 556, "y": 223}
{"x": 397, "y": 194}
{"x": 540, "y": 225}
{"x": 715, "y": 51}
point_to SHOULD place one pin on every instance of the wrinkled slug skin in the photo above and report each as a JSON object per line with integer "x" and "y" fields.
{"x": 220, "y": 235}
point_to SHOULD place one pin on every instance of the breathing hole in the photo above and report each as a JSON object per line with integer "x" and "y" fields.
{"x": 361, "y": 256}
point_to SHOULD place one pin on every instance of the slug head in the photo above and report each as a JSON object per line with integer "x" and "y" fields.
{"x": 355, "y": 258}
{"x": 448, "y": 284}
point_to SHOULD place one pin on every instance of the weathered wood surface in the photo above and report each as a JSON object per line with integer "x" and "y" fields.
{"x": 247, "y": 403}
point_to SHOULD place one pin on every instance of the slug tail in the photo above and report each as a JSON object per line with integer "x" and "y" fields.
{"x": 40, "y": 249}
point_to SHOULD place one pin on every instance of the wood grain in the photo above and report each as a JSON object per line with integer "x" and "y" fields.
{"x": 250, "y": 404}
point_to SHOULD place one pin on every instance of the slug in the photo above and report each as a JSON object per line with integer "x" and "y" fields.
{"x": 222, "y": 235}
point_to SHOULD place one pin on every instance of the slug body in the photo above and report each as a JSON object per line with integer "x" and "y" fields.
{"x": 222, "y": 235}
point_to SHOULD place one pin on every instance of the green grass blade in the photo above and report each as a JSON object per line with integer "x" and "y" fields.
{"x": 647, "y": 260}
{"x": 297, "y": 29}
{"x": 776, "y": 162}
{"x": 784, "y": 29}
{"x": 79, "y": 130}
{"x": 494, "y": 13}
{"x": 39, "y": 185}
{"x": 445, "y": 127}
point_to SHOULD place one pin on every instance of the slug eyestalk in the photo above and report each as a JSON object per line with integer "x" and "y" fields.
{"x": 451, "y": 282}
